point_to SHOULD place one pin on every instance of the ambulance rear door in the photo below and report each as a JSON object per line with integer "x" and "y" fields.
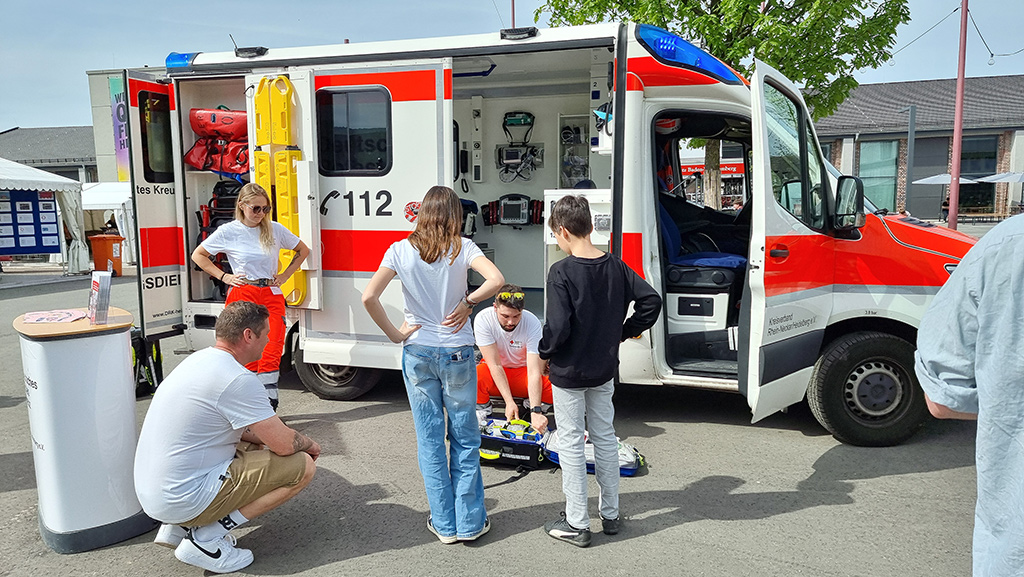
{"x": 787, "y": 298}
{"x": 161, "y": 259}
{"x": 282, "y": 135}
{"x": 384, "y": 132}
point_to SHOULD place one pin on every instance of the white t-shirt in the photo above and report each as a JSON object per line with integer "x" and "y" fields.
{"x": 188, "y": 438}
{"x": 245, "y": 253}
{"x": 432, "y": 291}
{"x": 512, "y": 345}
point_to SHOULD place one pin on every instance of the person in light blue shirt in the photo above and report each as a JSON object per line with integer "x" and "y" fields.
{"x": 970, "y": 362}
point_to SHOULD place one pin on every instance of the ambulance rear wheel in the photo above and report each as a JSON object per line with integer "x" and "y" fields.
{"x": 864, "y": 390}
{"x": 335, "y": 382}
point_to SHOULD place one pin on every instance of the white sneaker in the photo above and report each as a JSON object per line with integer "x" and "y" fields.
{"x": 218, "y": 556}
{"x": 169, "y": 535}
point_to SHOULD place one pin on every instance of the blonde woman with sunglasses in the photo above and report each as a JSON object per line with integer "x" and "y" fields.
{"x": 437, "y": 358}
{"x": 252, "y": 242}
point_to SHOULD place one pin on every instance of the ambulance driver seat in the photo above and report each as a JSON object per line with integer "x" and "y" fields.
{"x": 702, "y": 295}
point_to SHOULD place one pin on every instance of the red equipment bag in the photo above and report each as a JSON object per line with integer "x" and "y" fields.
{"x": 220, "y": 156}
{"x": 219, "y": 123}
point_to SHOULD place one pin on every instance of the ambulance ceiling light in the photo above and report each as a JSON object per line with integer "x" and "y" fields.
{"x": 675, "y": 51}
{"x": 180, "y": 60}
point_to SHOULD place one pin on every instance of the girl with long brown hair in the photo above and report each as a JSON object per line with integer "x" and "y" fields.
{"x": 252, "y": 242}
{"x": 437, "y": 360}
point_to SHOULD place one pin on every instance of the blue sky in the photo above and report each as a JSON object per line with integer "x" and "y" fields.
{"x": 48, "y": 45}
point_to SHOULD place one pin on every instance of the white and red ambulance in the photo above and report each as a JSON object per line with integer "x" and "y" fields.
{"x": 802, "y": 293}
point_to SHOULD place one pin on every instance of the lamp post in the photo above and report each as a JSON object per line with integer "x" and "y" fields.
{"x": 958, "y": 122}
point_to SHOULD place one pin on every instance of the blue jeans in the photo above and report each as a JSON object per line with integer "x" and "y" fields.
{"x": 440, "y": 379}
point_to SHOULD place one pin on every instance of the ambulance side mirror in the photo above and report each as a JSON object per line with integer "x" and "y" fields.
{"x": 849, "y": 204}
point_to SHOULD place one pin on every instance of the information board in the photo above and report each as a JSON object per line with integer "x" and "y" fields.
{"x": 28, "y": 222}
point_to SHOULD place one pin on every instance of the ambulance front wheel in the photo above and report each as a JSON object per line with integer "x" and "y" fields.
{"x": 864, "y": 390}
{"x": 335, "y": 382}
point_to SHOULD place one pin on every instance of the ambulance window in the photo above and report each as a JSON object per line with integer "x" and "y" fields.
{"x": 354, "y": 132}
{"x": 155, "y": 116}
{"x": 789, "y": 158}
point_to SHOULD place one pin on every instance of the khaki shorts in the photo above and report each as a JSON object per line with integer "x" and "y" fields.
{"x": 252, "y": 474}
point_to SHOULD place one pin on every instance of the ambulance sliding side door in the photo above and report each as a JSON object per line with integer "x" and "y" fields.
{"x": 792, "y": 260}
{"x": 161, "y": 258}
{"x": 384, "y": 131}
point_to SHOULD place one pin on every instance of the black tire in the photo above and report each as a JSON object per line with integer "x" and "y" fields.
{"x": 864, "y": 390}
{"x": 335, "y": 382}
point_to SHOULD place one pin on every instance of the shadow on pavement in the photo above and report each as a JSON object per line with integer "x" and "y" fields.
{"x": 345, "y": 521}
{"x": 17, "y": 472}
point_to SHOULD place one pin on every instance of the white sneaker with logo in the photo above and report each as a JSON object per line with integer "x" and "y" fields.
{"x": 169, "y": 535}
{"x": 218, "y": 556}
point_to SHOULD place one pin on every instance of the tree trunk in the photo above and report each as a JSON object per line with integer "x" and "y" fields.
{"x": 712, "y": 179}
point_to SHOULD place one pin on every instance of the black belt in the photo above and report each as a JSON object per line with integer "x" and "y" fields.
{"x": 260, "y": 282}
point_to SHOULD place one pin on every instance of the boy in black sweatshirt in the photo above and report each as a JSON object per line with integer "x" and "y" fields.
{"x": 589, "y": 293}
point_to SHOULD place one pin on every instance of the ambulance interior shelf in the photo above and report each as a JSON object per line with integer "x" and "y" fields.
{"x": 219, "y": 210}
{"x": 574, "y": 149}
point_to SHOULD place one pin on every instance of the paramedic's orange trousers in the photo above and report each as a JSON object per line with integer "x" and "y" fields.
{"x": 269, "y": 365}
{"x": 485, "y": 387}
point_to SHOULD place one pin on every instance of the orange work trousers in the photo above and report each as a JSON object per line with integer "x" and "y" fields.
{"x": 517, "y": 383}
{"x": 270, "y": 362}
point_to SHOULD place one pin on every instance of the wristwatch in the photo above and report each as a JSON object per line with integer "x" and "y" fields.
{"x": 538, "y": 409}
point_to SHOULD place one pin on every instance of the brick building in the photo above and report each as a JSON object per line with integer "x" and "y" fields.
{"x": 867, "y": 137}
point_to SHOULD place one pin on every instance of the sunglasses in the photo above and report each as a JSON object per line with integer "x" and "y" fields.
{"x": 506, "y": 296}
{"x": 258, "y": 209}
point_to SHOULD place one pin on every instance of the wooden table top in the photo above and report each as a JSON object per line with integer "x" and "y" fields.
{"x": 116, "y": 319}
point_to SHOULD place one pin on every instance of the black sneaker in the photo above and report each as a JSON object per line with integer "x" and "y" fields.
{"x": 611, "y": 526}
{"x": 563, "y": 531}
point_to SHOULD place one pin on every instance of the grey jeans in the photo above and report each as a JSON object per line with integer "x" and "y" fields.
{"x": 591, "y": 410}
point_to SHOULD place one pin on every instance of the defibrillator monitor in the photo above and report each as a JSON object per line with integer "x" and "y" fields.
{"x": 514, "y": 210}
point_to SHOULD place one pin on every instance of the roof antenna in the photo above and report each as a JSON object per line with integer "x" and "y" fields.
{"x": 247, "y": 51}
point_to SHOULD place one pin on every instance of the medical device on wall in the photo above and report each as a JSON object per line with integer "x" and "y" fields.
{"x": 513, "y": 209}
{"x": 518, "y": 158}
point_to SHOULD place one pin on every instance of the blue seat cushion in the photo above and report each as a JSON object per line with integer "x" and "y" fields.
{"x": 711, "y": 259}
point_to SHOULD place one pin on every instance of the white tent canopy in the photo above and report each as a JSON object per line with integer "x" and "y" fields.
{"x": 944, "y": 178}
{"x": 105, "y": 195}
{"x": 116, "y": 198}
{"x": 14, "y": 176}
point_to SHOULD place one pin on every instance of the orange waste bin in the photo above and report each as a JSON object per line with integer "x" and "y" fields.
{"x": 106, "y": 251}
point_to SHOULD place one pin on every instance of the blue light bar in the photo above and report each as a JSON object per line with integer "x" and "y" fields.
{"x": 675, "y": 51}
{"x": 179, "y": 60}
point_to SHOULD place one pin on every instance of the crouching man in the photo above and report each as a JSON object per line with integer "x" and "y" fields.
{"x": 212, "y": 454}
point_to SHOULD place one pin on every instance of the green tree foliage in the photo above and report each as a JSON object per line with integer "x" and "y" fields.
{"x": 818, "y": 44}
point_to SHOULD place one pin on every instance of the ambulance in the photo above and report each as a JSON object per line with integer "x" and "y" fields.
{"x": 806, "y": 292}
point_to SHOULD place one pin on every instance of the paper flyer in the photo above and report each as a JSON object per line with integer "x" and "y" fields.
{"x": 99, "y": 297}
{"x": 55, "y": 316}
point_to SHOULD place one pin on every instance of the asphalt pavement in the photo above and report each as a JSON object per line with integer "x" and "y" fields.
{"x": 720, "y": 496}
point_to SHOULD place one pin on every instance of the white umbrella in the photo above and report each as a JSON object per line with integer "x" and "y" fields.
{"x": 1004, "y": 177}
{"x": 944, "y": 178}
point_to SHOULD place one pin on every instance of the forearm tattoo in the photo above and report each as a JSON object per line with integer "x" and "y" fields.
{"x": 301, "y": 442}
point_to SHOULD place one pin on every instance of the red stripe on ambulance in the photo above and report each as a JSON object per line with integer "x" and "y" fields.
{"x": 357, "y": 250}
{"x": 135, "y": 86}
{"x": 654, "y": 73}
{"x": 633, "y": 251}
{"x": 404, "y": 86}
{"x": 161, "y": 246}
